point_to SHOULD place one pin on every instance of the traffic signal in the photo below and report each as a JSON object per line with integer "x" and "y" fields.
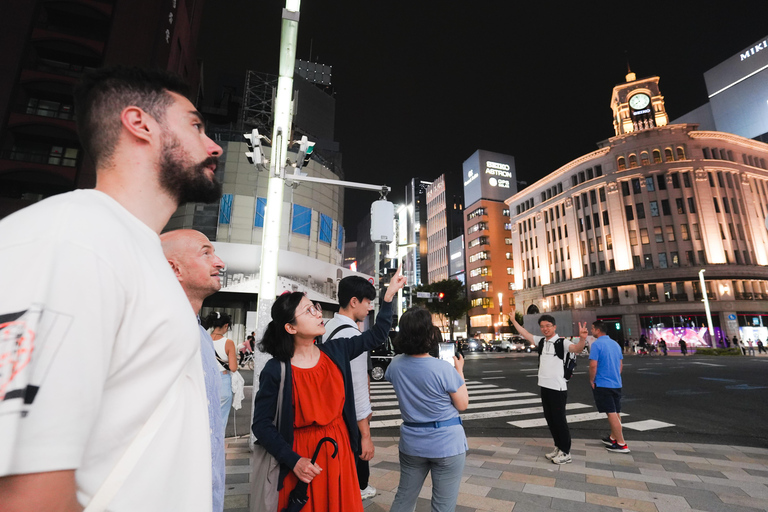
{"x": 440, "y": 296}
{"x": 254, "y": 153}
{"x": 306, "y": 147}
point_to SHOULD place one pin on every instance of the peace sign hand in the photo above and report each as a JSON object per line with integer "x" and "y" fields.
{"x": 583, "y": 330}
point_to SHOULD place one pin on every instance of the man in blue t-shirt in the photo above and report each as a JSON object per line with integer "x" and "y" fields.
{"x": 605, "y": 365}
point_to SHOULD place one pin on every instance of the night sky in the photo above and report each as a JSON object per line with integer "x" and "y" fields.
{"x": 421, "y": 85}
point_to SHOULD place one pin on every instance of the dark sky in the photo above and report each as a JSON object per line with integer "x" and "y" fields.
{"x": 421, "y": 85}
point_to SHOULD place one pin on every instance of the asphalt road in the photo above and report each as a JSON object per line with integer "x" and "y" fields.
{"x": 696, "y": 399}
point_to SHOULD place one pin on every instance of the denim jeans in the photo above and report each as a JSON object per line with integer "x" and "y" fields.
{"x": 446, "y": 477}
{"x": 226, "y": 397}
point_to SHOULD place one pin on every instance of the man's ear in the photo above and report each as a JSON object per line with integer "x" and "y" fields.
{"x": 353, "y": 303}
{"x": 290, "y": 329}
{"x": 138, "y": 123}
{"x": 176, "y": 268}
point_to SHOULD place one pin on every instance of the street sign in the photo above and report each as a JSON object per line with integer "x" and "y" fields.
{"x": 370, "y": 280}
{"x": 423, "y": 295}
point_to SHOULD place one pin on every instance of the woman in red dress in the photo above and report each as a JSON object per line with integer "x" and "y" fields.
{"x": 320, "y": 402}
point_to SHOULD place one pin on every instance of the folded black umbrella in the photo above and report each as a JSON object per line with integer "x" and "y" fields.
{"x": 298, "y": 497}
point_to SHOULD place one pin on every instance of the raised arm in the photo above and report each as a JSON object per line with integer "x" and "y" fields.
{"x": 377, "y": 335}
{"x": 578, "y": 347}
{"x": 525, "y": 334}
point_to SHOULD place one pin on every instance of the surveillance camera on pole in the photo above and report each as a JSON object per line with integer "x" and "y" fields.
{"x": 254, "y": 153}
{"x": 306, "y": 147}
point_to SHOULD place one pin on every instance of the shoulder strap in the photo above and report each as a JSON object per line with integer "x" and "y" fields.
{"x": 114, "y": 481}
{"x": 278, "y": 416}
{"x": 540, "y": 347}
{"x": 560, "y": 348}
{"x": 336, "y": 330}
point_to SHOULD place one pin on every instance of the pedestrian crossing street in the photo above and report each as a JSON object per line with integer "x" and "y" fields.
{"x": 489, "y": 400}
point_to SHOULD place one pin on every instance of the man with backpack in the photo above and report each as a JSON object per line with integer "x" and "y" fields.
{"x": 356, "y": 297}
{"x": 605, "y": 365}
{"x": 556, "y": 362}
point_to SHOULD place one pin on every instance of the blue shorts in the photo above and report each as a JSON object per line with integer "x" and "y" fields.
{"x": 607, "y": 399}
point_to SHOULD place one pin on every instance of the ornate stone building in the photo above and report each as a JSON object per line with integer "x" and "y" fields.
{"x": 627, "y": 230}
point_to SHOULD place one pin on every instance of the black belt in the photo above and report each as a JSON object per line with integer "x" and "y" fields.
{"x": 434, "y": 424}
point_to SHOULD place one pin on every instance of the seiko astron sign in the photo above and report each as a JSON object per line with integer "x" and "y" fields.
{"x": 489, "y": 175}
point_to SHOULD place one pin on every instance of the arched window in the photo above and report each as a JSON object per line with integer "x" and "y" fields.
{"x": 533, "y": 310}
{"x": 656, "y": 156}
{"x": 681, "y": 153}
{"x": 632, "y": 160}
{"x": 620, "y": 163}
{"x": 668, "y": 155}
{"x": 644, "y": 158}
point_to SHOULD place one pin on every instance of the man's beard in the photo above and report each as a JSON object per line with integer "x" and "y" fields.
{"x": 184, "y": 181}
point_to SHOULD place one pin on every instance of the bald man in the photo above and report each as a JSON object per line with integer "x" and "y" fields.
{"x": 194, "y": 261}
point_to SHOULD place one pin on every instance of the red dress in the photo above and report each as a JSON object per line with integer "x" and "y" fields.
{"x": 318, "y": 401}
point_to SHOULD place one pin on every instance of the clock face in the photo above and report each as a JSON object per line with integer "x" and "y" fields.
{"x": 639, "y": 101}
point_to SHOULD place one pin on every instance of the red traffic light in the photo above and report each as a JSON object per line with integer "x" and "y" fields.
{"x": 440, "y": 296}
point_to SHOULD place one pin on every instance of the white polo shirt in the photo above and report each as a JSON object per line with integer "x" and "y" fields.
{"x": 551, "y": 366}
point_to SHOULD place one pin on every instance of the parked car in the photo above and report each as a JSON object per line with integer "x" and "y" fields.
{"x": 381, "y": 356}
{"x": 505, "y": 345}
{"x": 474, "y": 345}
{"x": 522, "y": 345}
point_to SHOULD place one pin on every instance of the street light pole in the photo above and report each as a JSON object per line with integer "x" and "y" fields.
{"x": 273, "y": 211}
{"x": 706, "y": 308}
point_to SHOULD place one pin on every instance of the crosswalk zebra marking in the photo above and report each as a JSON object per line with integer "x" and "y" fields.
{"x": 573, "y": 418}
{"x": 491, "y": 378}
{"x": 486, "y": 396}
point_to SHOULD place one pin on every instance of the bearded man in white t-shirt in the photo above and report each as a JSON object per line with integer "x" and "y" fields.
{"x": 552, "y": 383}
{"x": 102, "y": 398}
{"x": 355, "y": 302}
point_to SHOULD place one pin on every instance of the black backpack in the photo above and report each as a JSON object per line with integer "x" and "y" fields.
{"x": 569, "y": 359}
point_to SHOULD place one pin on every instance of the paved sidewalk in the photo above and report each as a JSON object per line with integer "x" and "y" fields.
{"x": 511, "y": 474}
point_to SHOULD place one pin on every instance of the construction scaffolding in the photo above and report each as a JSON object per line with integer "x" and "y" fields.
{"x": 258, "y": 101}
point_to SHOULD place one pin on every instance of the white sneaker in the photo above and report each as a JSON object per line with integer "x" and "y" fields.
{"x": 368, "y": 492}
{"x": 562, "y": 458}
{"x": 551, "y": 455}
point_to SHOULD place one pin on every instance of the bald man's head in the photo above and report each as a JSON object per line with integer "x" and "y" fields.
{"x": 194, "y": 261}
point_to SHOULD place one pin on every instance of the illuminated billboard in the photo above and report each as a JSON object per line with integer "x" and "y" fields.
{"x": 489, "y": 175}
{"x": 456, "y": 256}
{"x": 738, "y": 91}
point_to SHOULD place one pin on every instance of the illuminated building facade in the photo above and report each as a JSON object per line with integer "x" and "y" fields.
{"x": 444, "y": 223}
{"x": 489, "y": 178}
{"x": 626, "y": 229}
{"x": 737, "y": 90}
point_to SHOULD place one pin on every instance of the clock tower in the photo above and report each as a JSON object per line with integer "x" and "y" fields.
{"x": 638, "y": 105}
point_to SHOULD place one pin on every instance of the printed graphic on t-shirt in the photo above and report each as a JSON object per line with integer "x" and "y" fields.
{"x": 29, "y": 341}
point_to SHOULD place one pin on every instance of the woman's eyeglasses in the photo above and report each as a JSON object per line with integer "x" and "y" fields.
{"x": 314, "y": 310}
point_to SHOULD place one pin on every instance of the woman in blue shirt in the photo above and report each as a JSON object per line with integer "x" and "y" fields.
{"x": 430, "y": 393}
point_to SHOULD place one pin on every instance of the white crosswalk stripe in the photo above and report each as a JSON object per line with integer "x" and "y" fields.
{"x": 491, "y": 401}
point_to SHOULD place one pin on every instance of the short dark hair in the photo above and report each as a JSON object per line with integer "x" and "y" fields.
{"x": 102, "y": 94}
{"x": 357, "y": 287}
{"x": 277, "y": 342}
{"x": 417, "y": 332}
{"x": 547, "y": 318}
{"x": 601, "y": 326}
{"x": 216, "y": 319}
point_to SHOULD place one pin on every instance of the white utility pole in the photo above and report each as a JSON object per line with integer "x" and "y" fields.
{"x": 281, "y": 133}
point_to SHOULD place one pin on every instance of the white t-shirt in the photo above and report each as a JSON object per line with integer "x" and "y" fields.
{"x": 551, "y": 366}
{"x": 358, "y": 365}
{"x": 94, "y": 329}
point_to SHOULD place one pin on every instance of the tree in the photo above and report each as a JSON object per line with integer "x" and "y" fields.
{"x": 519, "y": 318}
{"x": 454, "y": 304}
